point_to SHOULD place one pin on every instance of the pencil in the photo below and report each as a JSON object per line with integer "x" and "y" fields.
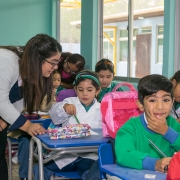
{"x": 157, "y": 148}
{"x": 76, "y": 119}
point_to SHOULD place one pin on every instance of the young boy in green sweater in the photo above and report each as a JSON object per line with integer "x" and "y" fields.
{"x": 132, "y": 146}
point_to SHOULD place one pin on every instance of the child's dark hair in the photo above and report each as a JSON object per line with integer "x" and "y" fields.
{"x": 104, "y": 64}
{"x": 65, "y": 55}
{"x": 87, "y": 74}
{"x": 151, "y": 84}
{"x": 56, "y": 72}
{"x": 176, "y": 77}
{"x": 78, "y": 60}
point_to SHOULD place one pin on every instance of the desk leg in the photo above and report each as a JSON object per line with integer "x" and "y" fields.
{"x": 31, "y": 147}
{"x": 40, "y": 158}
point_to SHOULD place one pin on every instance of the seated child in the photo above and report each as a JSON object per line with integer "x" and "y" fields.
{"x": 69, "y": 66}
{"x": 56, "y": 88}
{"x": 87, "y": 110}
{"x": 105, "y": 70}
{"x": 175, "y": 112}
{"x": 132, "y": 146}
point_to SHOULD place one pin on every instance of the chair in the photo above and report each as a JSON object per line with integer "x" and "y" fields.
{"x": 63, "y": 94}
{"x": 12, "y": 141}
{"x": 107, "y": 166}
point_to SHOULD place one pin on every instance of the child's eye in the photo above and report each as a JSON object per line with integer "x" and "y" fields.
{"x": 166, "y": 100}
{"x": 151, "y": 100}
{"x": 80, "y": 90}
{"x": 89, "y": 90}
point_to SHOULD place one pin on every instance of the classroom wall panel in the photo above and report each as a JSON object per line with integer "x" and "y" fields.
{"x": 22, "y": 19}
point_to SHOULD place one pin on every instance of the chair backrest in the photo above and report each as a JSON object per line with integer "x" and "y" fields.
{"x": 105, "y": 156}
{"x": 63, "y": 94}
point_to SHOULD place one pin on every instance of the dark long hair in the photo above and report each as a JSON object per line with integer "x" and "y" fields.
{"x": 18, "y": 50}
{"x": 35, "y": 86}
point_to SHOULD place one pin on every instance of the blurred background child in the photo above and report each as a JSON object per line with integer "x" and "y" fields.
{"x": 105, "y": 70}
{"x": 69, "y": 67}
{"x": 175, "y": 112}
{"x": 56, "y": 88}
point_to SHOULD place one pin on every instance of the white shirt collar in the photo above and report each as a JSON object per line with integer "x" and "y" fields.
{"x": 145, "y": 118}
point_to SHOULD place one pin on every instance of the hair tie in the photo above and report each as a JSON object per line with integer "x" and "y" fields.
{"x": 87, "y": 77}
{"x": 105, "y": 62}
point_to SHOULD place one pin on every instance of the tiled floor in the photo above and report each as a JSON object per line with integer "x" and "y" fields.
{"x": 15, "y": 171}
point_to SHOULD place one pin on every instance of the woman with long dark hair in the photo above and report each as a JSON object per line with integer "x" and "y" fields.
{"x": 24, "y": 81}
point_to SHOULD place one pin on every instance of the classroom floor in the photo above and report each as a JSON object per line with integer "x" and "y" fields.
{"x": 15, "y": 171}
{"x": 15, "y": 168}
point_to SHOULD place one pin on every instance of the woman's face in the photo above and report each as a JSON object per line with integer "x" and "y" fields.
{"x": 105, "y": 78}
{"x": 70, "y": 68}
{"x": 50, "y": 64}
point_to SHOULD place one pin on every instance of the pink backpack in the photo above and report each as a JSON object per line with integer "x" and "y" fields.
{"x": 117, "y": 108}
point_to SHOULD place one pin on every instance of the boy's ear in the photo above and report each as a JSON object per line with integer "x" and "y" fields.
{"x": 140, "y": 106}
{"x": 174, "y": 82}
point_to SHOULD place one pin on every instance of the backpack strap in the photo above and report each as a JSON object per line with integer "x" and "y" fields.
{"x": 129, "y": 85}
{"x": 112, "y": 142}
{"x": 103, "y": 106}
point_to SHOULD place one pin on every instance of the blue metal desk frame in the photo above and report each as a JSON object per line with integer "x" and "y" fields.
{"x": 62, "y": 146}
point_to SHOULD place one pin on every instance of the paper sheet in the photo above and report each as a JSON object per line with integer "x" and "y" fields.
{"x": 93, "y": 133}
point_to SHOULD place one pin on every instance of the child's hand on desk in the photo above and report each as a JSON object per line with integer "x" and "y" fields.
{"x": 70, "y": 109}
{"x": 161, "y": 164}
{"x": 157, "y": 124}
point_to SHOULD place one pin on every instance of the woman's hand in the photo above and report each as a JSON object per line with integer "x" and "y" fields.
{"x": 161, "y": 164}
{"x": 70, "y": 109}
{"x": 33, "y": 128}
{"x": 3, "y": 125}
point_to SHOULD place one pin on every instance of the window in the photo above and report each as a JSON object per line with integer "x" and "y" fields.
{"x": 124, "y": 44}
{"x": 146, "y": 30}
{"x": 160, "y": 31}
{"x": 147, "y": 15}
{"x": 70, "y": 20}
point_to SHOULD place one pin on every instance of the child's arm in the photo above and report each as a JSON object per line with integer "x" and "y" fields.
{"x": 127, "y": 153}
{"x": 61, "y": 111}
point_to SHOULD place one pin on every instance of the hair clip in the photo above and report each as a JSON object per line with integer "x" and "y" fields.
{"x": 19, "y": 49}
{"x": 105, "y": 62}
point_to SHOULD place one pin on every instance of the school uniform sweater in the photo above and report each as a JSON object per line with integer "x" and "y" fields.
{"x": 106, "y": 90}
{"x": 11, "y": 96}
{"x": 133, "y": 149}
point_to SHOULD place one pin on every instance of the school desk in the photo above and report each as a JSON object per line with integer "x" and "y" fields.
{"x": 107, "y": 166}
{"x": 62, "y": 146}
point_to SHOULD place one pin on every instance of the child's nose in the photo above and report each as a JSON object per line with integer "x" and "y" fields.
{"x": 159, "y": 105}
